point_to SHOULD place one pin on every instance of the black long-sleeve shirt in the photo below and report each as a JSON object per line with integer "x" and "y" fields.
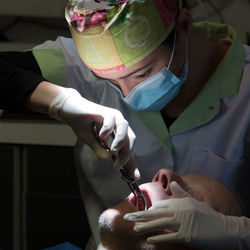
{"x": 19, "y": 76}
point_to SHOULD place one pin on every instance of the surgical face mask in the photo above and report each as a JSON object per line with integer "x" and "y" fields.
{"x": 156, "y": 92}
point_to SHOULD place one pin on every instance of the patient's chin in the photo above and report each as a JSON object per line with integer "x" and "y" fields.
{"x": 107, "y": 219}
{"x": 117, "y": 233}
{"x": 112, "y": 218}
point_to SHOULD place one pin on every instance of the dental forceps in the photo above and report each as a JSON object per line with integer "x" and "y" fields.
{"x": 125, "y": 175}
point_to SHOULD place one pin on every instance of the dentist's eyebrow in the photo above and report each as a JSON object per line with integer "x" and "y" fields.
{"x": 137, "y": 70}
{"x": 126, "y": 76}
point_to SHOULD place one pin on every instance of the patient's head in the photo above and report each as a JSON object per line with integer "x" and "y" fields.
{"x": 117, "y": 233}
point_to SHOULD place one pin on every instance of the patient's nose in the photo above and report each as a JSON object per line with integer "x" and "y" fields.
{"x": 164, "y": 177}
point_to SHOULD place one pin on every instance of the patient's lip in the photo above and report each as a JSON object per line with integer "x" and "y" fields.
{"x": 140, "y": 205}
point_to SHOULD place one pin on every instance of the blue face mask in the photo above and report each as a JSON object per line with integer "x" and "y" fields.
{"x": 156, "y": 92}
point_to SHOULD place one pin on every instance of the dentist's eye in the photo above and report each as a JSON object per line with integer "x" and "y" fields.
{"x": 144, "y": 75}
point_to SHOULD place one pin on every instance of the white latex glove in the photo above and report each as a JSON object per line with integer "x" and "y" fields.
{"x": 194, "y": 223}
{"x": 70, "y": 107}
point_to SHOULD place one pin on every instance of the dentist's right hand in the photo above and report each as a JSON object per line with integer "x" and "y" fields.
{"x": 79, "y": 113}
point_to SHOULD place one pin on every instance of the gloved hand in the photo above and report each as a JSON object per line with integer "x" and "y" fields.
{"x": 79, "y": 113}
{"x": 194, "y": 223}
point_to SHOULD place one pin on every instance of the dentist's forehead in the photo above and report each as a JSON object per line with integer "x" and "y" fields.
{"x": 148, "y": 61}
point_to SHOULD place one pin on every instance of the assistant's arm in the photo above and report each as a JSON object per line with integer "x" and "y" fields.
{"x": 19, "y": 77}
{"x": 22, "y": 86}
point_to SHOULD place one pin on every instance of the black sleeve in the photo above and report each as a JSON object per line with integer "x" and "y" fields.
{"x": 19, "y": 76}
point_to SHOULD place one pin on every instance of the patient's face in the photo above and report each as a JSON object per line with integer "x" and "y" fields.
{"x": 117, "y": 233}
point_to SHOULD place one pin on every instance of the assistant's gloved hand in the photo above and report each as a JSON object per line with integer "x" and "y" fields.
{"x": 70, "y": 107}
{"x": 194, "y": 223}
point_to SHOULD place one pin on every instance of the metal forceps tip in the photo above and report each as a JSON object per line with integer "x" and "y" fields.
{"x": 124, "y": 171}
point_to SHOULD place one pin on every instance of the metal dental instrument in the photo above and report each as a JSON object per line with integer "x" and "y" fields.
{"x": 133, "y": 187}
{"x": 124, "y": 171}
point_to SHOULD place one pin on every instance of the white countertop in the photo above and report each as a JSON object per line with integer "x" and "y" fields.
{"x": 35, "y": 132}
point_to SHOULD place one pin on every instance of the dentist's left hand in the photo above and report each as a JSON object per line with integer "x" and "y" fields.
{"x": 192, "y": 223}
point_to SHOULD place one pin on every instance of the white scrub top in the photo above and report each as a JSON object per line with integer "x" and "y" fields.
{"x": 211, "y": 136}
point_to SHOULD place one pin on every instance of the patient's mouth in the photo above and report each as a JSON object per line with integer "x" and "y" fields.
{"x": 140, "y": 205}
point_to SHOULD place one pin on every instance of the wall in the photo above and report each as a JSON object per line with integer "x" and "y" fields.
{"x": 234, "y": 12}
{"x": 40, "y": 203}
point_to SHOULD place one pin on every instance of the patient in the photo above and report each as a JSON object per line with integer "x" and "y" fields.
{"x": 117, "y": 233}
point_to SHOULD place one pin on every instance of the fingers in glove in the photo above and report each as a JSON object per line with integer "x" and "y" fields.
{"x": 161, "y": 204}
{"x": 157, "y": 225}
{"x": 96, "y": 143}
{"x": 100, "y": 151}
{"x": 107, "y": 127}
{"x": 170, "y": 238}
{"x": 132, "y": 138}
{"x": 177, "y": 191}
{"x": 121, "y": 136}
{"x": 124, "y": 150}
{"x": 143, "y": 216}
{"x": 122, "y": 158}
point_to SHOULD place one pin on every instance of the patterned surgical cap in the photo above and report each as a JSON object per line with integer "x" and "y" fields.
{"x": 115, "y": 34}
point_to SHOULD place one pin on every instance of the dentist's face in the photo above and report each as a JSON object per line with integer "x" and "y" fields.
{"x": 130, "y": 77}
{"x": 116, "y": 233}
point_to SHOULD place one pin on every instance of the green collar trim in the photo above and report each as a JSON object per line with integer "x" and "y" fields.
{"x": 155, "y": 123}
{"x": 224, "y": 82}
{"x": 229, "y": 71}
